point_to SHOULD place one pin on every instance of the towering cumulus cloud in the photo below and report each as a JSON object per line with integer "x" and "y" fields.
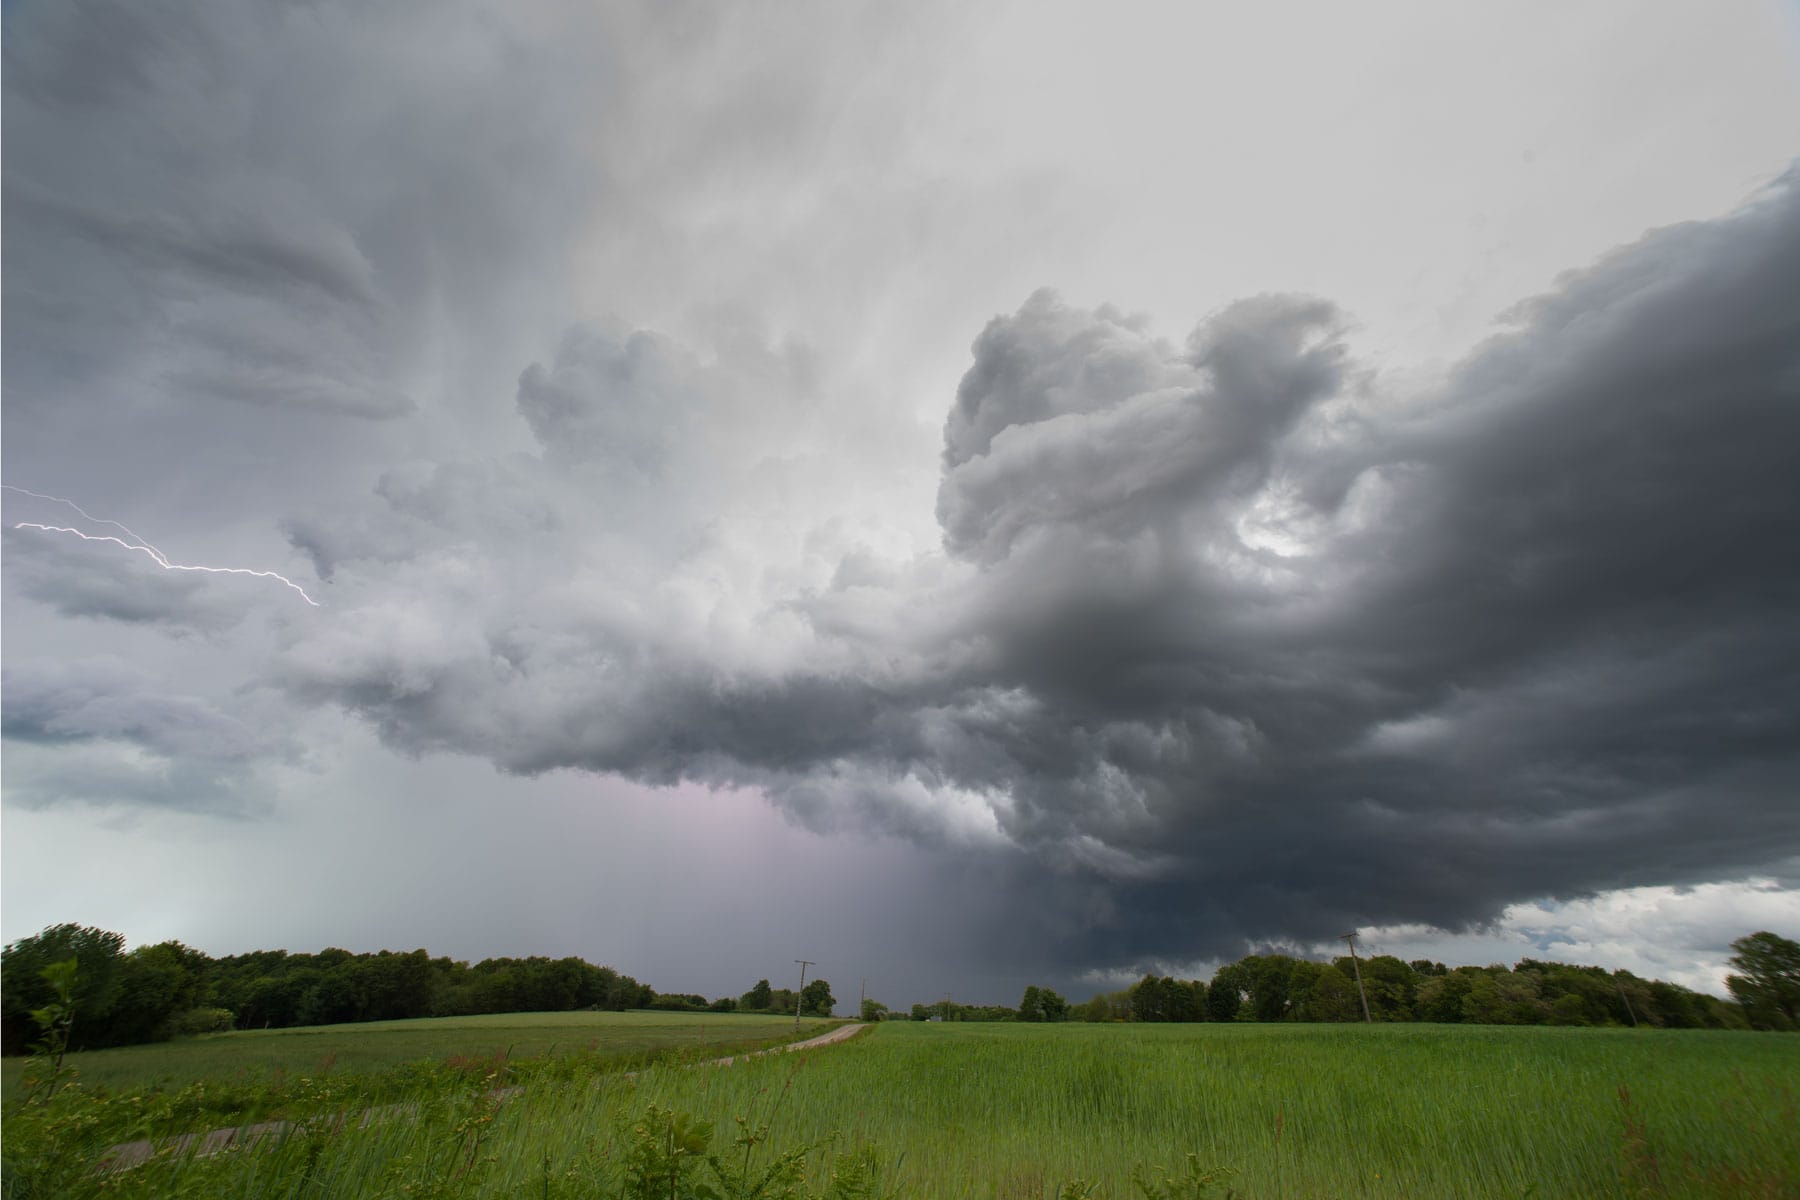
{"x": 1226, "y": 638}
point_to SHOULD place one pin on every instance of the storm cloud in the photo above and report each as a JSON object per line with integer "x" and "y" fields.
{"x": 101, "y": 732}
{"x": 1223, "y": 633}
{"x": 624, "y": 383}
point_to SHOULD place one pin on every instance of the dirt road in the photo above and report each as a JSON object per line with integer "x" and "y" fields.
{"x": 133, "y": 1154}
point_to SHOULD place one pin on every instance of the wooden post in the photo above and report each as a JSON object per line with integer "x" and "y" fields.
{"x": 1356, "y": 965}
{"x": 798, "y": 998}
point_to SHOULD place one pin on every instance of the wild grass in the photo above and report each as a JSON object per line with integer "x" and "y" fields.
{"x": 1319, "y": 1110}
{"x": 263, "y": 1055}
{"x": 1022, "y": 1111}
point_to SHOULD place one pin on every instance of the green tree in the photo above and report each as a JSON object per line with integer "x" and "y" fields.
{"x": 1029, "y": 1003}
{"x": 759, "y": 998}
{"x": 334, "y": 999}
{"x": 156, "y": 984}
{"x": 1266, "y": 977}
{"x": 1484, "y": 1004}
{"x": 1150, "y": 998}
{"x": 98, "y": 954}
{"x": 1226, "y": 995}
{"x": 1767, "y": 979}
{"x": 1100, "y": 1008}
{"x": 1676, "y": 1007}
{"x": 397, "y": 986}
{"x": 1440, "y": 997}
{"x": 1390, "y": 984}
{"x": 872, "y": 1009}
{"x": 816, "y": 999}
{"x": 1185, "y": 1001}
{"x": 1569, "y": 1009}
{"x": 1320, "y": 992}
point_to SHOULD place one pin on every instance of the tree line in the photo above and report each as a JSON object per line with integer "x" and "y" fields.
{"x": 1765, "y": 989}
{"x": 169, "y": 990}
{"x": 814, "y": 1000}
{"x": 152, "y": 993}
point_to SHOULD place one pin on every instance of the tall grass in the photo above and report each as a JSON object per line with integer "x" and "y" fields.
{"x": 263, "y": 1054}
{"x": 1019, "y": 1111}
{"x": 1443, "y": 1111}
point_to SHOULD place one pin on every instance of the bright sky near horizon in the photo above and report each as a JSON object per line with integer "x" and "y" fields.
{"x": 967, "y": 494}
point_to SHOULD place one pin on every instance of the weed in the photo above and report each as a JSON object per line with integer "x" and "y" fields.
{"x": 1192, "y": 1182}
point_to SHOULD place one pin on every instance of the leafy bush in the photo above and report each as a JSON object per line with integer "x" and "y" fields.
{"x": 196, "y": 1021}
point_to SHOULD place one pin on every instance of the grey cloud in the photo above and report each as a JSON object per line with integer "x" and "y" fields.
{"x": 1230, "y": 646}
{"x": 79, "y": 579}
{"x": 279, "y": 204}
{"x": 427, "y": 506}
{"x": 102, "y": 732}
{"x": 1216, "y": 640}
{"x": 254, "y": 354}
{"x": 1079, "y": 421}
{"x": 252, "y": 251}
{"x": 86, "y": 55}
{"x": 621, "y": 402}
{"x": 247, "y": 306}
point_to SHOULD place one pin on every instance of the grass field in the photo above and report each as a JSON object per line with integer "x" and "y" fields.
{"x": 1023, "y": 1111}
{"x": 1306, "y": 1110}
{"x": 264, "y": 1054}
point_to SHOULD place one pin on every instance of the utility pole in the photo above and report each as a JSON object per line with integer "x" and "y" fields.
{"x": 1356, "y": 965}
{"x": 798, "y": 998}
{"x": 1620, "y": 984}
{"x": 862, "y": 1000}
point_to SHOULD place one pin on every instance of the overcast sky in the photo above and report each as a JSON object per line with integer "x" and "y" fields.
{"x": 966, "y": 494}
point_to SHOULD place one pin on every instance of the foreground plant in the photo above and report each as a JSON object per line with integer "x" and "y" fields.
{"x": 1191, "y": 1183}
{"x": 55, "y": 1021}
{"x": 670, "y": 1158}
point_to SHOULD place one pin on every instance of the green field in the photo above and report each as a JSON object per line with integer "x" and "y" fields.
{"x": 1294, "y": 1110}
{"x": 266, "y": 1054}
{"x": 1023, "y": 1111}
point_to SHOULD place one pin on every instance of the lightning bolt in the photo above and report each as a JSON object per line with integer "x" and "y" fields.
{"x": 140, "y": 545}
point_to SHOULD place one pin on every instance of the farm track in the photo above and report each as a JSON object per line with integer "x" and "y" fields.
{"x": 127, "y": 1155}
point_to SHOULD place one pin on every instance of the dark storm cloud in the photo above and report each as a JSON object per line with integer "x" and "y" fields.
{"x": 102, "y": 732}
{"x": 1231, "y": 646}
{"x": 1228, "y": 641}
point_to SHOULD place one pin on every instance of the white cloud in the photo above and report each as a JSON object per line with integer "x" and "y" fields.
{"x": 1681, "y": 934}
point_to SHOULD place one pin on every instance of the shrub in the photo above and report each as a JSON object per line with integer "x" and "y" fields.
{"x": 200, "y": 1020}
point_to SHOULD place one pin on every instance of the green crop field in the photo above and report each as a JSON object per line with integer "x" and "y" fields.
{"x": 1025, "y": 1111}
{"x": 265, "y": 1054}
{"x": 1293, "y": 1110}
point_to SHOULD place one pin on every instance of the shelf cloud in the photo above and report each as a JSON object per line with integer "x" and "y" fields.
{"x": 1221, "y": 632}
{"x": 801, "y": 417}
